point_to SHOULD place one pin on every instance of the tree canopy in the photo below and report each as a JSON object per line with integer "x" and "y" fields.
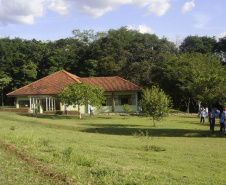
{"x": 155, "y": 103}
{"x": 78, "y": 94}
{"x": 142, "y": 58}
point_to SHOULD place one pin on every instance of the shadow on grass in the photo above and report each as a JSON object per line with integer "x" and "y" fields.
{"x": 49, "y": 116}
{"x": 153, "y": 132}
{"x": 56, "y": 116}
{"x": 126, "y": 130}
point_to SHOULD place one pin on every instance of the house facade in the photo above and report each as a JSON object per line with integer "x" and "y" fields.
{"x": 41, "y": 95}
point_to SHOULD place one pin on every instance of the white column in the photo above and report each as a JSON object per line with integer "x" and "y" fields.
{"x": 30, "y": 102}
{"x": 46, "y": 103}
{"x": 33, "y": 104}
{"x": 52, "y": 103}
{"x": 49, "y": 104}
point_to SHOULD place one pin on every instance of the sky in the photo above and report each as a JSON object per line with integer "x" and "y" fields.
{"x": 55, "y": 19}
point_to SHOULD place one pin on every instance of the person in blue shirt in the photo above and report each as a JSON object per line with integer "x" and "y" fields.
{"x": 140, "y": 110}
{"x": 221, "y": 115}
{"x": 213, "y": 116}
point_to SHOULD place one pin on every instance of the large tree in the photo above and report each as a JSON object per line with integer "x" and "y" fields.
{"x": 78, "y": 94}
{"x": 195, "y": 43}
{"x": 198, "y": 77}
{"x": 220, "y": 48}
{"x": 4, "y": 81}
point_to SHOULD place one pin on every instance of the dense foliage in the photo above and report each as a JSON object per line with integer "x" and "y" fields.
{"x": 143, "y": 59}
{"x": 78, "y": 94}
{"x": 155, "y": 103}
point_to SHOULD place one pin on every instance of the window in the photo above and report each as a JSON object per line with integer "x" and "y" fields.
{"x": 108, "y": 101}
{"x": 120, "y": 100}
{"x": 125, "y": 99}
{"x": 23, "y": 103}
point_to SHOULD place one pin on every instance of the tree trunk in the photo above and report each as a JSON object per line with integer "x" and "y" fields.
{"x": 2, "y": 96}
{"x": 188, "y": 104}
{"x": 199, "y": 105}
{"x": 153, "y": 121}
{"x": 80, "y": 115}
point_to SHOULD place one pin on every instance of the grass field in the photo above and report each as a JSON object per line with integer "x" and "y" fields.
{"x": 51, "y": 149}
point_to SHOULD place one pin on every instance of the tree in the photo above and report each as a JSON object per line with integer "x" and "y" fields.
{"x": 220, "y": 48}
{"x": 198, "y": 77}
{"x": 4, "y": 81}
{"x": 87, "y": 36}
{"x": 198, "y": 44}
{"x": 78, "y": 94}
{"x": 155, "y": 103}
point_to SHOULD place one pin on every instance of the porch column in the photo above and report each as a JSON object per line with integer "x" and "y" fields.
{"x": 52, "y": 103}
{"x": 33, "y": 104}
{"x": 30, "y": 102}
{"x": 46, "y": 103}
{"x": 49, "y": 103}
{"x": 113, "y": 102}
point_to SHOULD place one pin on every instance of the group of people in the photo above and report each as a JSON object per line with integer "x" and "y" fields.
{"x": 212, "y": 115}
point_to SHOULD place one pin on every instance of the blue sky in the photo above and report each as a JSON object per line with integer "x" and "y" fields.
{"x": 55, "y": 19}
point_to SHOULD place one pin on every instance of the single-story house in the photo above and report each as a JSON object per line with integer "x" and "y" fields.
{"x": 42, "y": 93}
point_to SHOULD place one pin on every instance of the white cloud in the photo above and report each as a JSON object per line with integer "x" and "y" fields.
{"x": 188, "y": 6}
{"x": 144, "y": 29}
{"x": 141, "y": 28}
{"x": 25, "y": 11}
{"x": 158, "y": 8}
{"x": 20, "y": 11}
{"x": 221, "y": 35}
{"x": 96, "y": 8}
{"x": 59, "y": 6}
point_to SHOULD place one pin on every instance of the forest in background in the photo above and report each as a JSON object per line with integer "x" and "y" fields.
{"x": 190, "y": 72}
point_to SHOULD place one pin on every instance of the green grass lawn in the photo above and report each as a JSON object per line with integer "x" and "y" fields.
{"x": 53, "y": 149}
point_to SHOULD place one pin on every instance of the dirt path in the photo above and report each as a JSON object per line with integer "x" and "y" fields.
{"x": 52, "y": 176}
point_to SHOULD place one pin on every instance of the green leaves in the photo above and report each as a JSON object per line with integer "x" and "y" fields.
{"x": 198, "y": 76}
{"x": 155, "y": 103}
{"x": 78, "y": 94}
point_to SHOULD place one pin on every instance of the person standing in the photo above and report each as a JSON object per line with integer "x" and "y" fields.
{"x": 210, "y": 121}
{"x": 203, "y": 114}
{"x": 222, "y": 120}
{"x": 65, "y": 109}
{"x": 91, "y": 110}
{"x": 213, "y": 116}
{"x": 140, "y": 110}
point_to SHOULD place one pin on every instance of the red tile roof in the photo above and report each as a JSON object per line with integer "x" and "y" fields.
{"x": 112, "y": 84}
{"x": 50, "y": 85}
{"x": 54, "y": 83}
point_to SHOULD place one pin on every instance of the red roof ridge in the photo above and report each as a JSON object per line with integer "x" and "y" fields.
{"x": 76, "y": 79}
{"x": 130, "y": 82}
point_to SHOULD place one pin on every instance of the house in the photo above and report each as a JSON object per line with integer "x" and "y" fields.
{"x": 42, "y": 93}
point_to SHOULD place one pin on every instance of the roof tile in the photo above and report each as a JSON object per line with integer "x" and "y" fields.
{"x": 54, "y": 83}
